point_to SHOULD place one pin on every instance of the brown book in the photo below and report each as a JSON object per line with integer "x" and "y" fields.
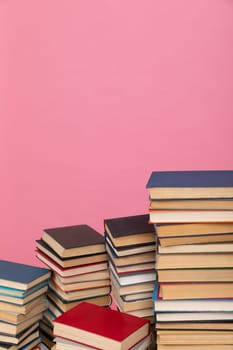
{"x": 214, "y": 325}
{"x": 77, "y": 240}
{"x": 130, "y": 230}
{"x": 69, "y": 287}
{"x": 131, "y": 259}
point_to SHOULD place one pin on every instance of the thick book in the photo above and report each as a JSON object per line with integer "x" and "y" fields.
{"x": 44, "y": 248}
{"x": 21, "y": 276}
{"x": 76, "y": 240}
{"x": 191, "y": 184}
{"x": 194, "y": 347}
{"x": 63, "y": 344}
{"x": 194, "y": 260}
{"x": 130, "y": 230}
{"x": 130, "y": 259}
{"x": 201, "y": 204}
{"x": 196, "y": 275}
{"x": 185, "y": 316}
{"x": 193, "y": 229}
{"x": 131, "y": 305}
{"x": 63, "y": 305}
{"x": 197, "y": 248}
{"x": 133, "y": 278}
{"x": 192, "y": 337}
{"x": 100, "y": 327}
{"x": 198, "y": 290}
{"x": 190, "y": 216}
{"x": 41, "y": 289}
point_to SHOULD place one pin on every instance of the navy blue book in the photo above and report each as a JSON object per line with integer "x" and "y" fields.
{"x": 191, "y": 184}
{"x": 21, "y": 276}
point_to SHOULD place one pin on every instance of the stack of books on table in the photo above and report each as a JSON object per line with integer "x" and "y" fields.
{"x": 22, "y": 303}
{"x": 193, "y": 298}
{"x": 88, "y": 326}
{"x": 79, "y": 263}
{"x": 130, "y": 243}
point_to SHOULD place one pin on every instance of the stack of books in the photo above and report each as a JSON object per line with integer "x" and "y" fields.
{"x": 22, "y": 303}
{"x": 193, "y": 298}
{"x": 130, "y": 243}
{"x": 79, "y": 263}
{"x": 88, "y": 326}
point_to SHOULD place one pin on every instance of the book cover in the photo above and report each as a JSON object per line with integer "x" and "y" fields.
{"x": 108, "y": 327}
{"x": 21, "y": 276}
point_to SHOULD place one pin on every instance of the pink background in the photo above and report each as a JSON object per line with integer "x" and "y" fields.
{"x": 95, "y": 95}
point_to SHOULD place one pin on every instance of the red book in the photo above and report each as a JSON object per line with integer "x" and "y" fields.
{"x": 100, "y": 327}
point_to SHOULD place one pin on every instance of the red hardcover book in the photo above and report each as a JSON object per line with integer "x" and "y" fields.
{"x": 100, "y": 327}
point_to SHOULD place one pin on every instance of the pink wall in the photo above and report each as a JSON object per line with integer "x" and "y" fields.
{"x": 97, "y": 94}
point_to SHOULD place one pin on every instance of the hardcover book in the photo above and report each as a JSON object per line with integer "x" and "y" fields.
{"x": 102, "y": 328}
{"x": 77, "y": 240}
{"x": 130, "y": 230}
{"x": 191, "y": 184}
{"x": 21, "y": 276}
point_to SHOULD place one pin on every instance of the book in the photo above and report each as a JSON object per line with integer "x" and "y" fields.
{"x": 63, "y": 344}
{"x": 195, "y": 239}
{"x": 64, "y": 305}
{"x": 131, "y": 250}
{"x": 21, "y": 276}
{"x": 130, "y": 289}
{"x": 133, "y": 268}
{"x": 79, "y": 294}
{"x": 193, "y": 316}
{"x": 194, "y": 347}
{"x": 197, "y": 248}
{"x": 133, "y": 278}
{"x": 183, "y": 216}
{"x": 199, "y": 290}
{"x": 48, "y": 252}
{"x": 131, "y": 305}
{"x": 72, "y": 271}
{"x": 193, "y": 305}
{"x": 19, "y": 337}
{"x": 23, "y": 309}
{"x": 130, "y": 230}
{"x": 198, "y": 337}
{"x": 201, "y": 204}
{"x": 191, "y": 184}
{"x": 196, "y": 275}
{"x": 130, "y": 259}
{"x": 69, "y": 287}
{"x": 15, "y": 328}
{"x": 194, "y": 260}
{"x": 76, "y": 240}
{"x": 21, "y": 300}
{"x": 108, "y": 329}
{"x": 214, "y": 325}
{"x": 85, "y": 277}
{"x": 193, "y": 229}
{"x": 16, "y": 317}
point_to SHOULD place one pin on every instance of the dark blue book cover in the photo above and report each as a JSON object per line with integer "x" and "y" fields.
{"x": 192, "y": 178}
{"x": 17, "y": 275}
